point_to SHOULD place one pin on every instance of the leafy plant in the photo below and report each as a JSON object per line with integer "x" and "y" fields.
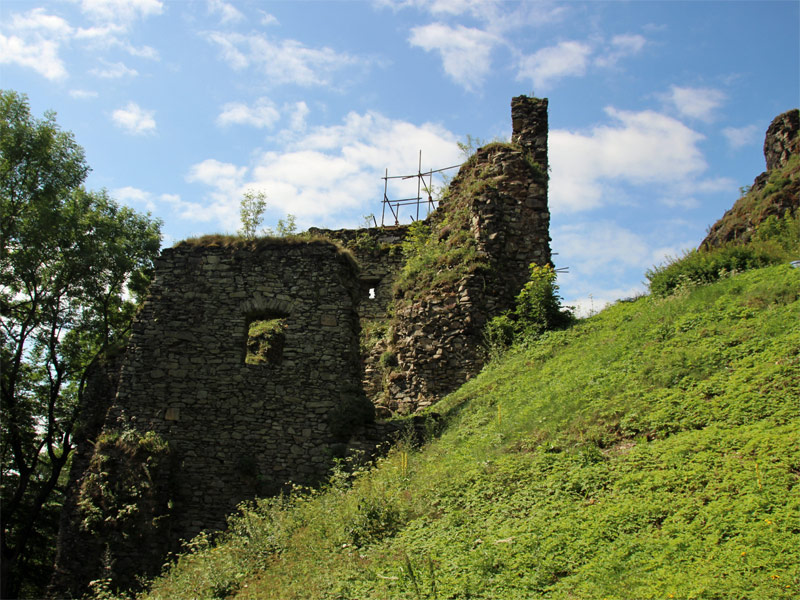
{"x": 73, "y": 263}
{"x": 284, "y": 228}
{"x": 537, "y": 309}
{"x": 698, "y": 267}
{"x": 251, "y": 211}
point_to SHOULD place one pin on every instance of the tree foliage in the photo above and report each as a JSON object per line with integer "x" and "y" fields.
{"x": 72, "y": 264}
{"x": 251, "y": 211}
{"x": 537, "y": 309}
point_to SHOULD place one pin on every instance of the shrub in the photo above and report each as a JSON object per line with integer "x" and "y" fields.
{"x": 699, "y": 267}
{"x": 538, "y": 309}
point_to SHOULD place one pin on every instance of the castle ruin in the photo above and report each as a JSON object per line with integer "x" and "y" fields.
{"x": 246, "y": 358}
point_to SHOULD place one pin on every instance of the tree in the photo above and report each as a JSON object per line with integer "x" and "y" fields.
{"x": 284, "y": 228}
{"x": 251, "y": 210}
{"x": 72, "y": 264}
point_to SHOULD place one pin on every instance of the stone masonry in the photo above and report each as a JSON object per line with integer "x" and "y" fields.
{"x": 238, "y": 427}
{"x": 238, "y": 430}
{"x": 439, "y": 337}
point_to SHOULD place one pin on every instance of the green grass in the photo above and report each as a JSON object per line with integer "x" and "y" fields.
{"x": 651, "y": 451}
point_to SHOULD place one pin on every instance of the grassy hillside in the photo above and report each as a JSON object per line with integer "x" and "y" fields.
{"x": 652, "y": 451}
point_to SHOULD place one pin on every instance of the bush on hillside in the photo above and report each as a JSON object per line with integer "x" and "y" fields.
{"x": 538, "y": 309}
{"x": 698, "y": 267}
{"x": 774, "y": 240}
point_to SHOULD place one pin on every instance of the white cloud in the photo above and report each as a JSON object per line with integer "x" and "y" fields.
{"x": 141, "y": 51}
{"x": 298, "y": 113}
{"x": 34, "y": 43}
{"x": 83, "y": 94}
{"x": 262, "y": 114}
{"x": 593, "y": 247}
{"x": 620, "y": 47}
{"x": 284, "y": 61}
{"x": 227, "y": 12}
{"x": 595, "y": 302}
{"x": 555, "y": 62}
{"x": 41, "y": 56}
{"x": 639, "y": 148}
{"x": 35, "y": 38}
{"x": 219, "y": 175}
{"x": 39, "y": 21}
{"x": 113, "y": 71}
{"x": 103, "y": 34}
{"x": 160, "y": 203}
{"x": 268, "y": 19}
{"x": 741, "y": 136}
{"x": 695, "y": 103}
{"x": 329, "y": 170}
{"x": 465, "y": 51}
{"x": 497, "y": 15}
{"x": 134, "y": 119}
{"x": 121, "y": 10}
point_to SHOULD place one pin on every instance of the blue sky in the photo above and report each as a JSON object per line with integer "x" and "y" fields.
{"x": 657, "y": 109}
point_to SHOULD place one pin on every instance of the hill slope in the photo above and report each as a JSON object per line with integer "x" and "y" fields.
{"x": 651, "y": 451}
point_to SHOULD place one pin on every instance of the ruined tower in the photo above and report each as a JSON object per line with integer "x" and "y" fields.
{"x": 244, "y": 370}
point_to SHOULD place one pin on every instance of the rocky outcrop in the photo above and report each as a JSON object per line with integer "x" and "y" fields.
{"x": 782, "y": 139}
{"x": 773, "y": 193}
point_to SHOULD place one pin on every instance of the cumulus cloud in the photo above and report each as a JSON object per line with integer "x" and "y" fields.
{"x": 262, "y": 114}
{"x": 496, "y": 15}
{"x": 162, "y": 203}
{"x": 741, "y": 136}
{"x": 328, "y": 170}
{"x": 220, "y": 175}
{"x": 41, "y": 56}
{"x": 591, "y": 248}
{"x": 695, "y": 103}
{"x": 282, "y": 61}
{"x": 465, "y": 51}
{"x": 134, "y": 120}
{"x": 601, "y": 246}
{"x": 638, "y": 148}
{"x": 550, "y": 64}
{"x": 297, "y": 116}
{"x": 34, "y": 41}
{"x": 39, "y": 21}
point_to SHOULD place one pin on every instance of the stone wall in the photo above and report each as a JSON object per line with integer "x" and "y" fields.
{"x": 235, "y": 429}
{"x": 242, "y": 428}
{"x": 503, "y": 189}
{"x": 73, "y": 570}
{"x": 247, "y": 410}
{"x": 379, "y": 255}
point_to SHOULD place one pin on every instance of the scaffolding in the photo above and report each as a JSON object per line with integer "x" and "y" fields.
{"x": 394, "y": 205}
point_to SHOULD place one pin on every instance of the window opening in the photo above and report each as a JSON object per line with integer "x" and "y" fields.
{"x": 369, "y": 288}
{"x": 266, "y": 336}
